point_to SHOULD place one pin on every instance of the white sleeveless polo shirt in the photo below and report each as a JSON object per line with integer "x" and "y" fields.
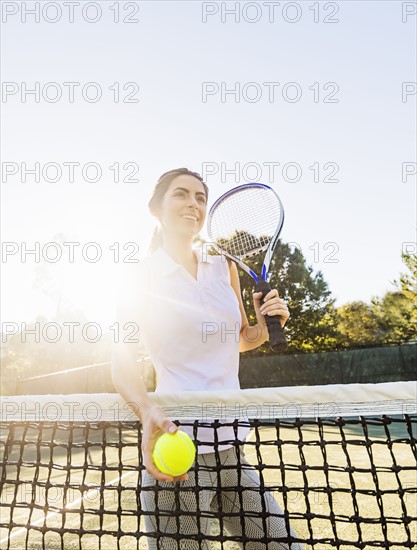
{"x": 190, "y": 328}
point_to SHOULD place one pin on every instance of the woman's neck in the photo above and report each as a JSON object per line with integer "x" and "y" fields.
{"x": 180, "y": 250}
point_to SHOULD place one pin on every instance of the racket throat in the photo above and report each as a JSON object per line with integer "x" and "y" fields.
{"x": 264, "y": 276}
{"x": 254, "y": 276}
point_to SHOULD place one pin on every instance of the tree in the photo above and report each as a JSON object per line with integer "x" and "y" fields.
{"x": 397, "y": 311}
{"x": 311, "y": 326}
{"x": 390, "y": 319}
{"x": 358, "y": 325}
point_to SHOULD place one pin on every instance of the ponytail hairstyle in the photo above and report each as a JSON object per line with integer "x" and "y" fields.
{"x": 159, "y": 191}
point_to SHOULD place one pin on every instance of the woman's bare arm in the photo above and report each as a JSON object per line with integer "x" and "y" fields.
{"x": 251, "y": 337}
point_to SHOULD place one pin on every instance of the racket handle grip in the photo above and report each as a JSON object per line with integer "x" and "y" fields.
{"x": 277, "y": 340}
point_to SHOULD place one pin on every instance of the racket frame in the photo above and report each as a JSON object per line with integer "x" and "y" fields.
{"x": 271, "y": 246}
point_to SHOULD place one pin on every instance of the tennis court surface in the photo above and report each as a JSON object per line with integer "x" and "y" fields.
{"x": 340, "y": 461}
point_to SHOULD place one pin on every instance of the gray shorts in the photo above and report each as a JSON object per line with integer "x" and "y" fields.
{"x": 214, "y": 491}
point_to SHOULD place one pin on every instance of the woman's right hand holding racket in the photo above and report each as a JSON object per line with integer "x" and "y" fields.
{"x": 271, "y": 305}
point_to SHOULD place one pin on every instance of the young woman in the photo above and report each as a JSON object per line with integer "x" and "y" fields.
{"x": 193, "y": 323}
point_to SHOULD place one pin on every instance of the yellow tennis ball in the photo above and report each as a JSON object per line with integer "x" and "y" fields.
{"x": 174, "y": 454}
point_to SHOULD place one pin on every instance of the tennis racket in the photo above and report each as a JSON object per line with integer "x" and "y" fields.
{"x": 242, "y": 223}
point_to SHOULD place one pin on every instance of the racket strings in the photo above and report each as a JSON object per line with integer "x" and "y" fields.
{"x": 244, "y": 222}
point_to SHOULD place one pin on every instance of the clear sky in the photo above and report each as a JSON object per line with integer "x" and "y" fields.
{"x": 347, "y": 61}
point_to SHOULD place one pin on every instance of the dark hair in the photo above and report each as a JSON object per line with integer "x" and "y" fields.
{"x": 159, "y": 191}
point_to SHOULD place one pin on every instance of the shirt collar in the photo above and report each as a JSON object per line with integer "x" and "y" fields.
{"x": 167, "y": 265}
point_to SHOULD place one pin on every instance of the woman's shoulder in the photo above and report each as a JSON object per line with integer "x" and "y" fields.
{"x": 221, "y": 258}
{"x": 221, "y": 265}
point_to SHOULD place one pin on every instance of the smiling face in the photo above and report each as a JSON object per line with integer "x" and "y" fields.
{"x": 183, "y": 207}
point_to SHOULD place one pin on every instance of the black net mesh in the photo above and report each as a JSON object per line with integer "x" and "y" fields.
{"x": 292, "y": 483}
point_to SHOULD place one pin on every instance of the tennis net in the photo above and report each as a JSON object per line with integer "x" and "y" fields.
{"x": 339, "y": 460}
